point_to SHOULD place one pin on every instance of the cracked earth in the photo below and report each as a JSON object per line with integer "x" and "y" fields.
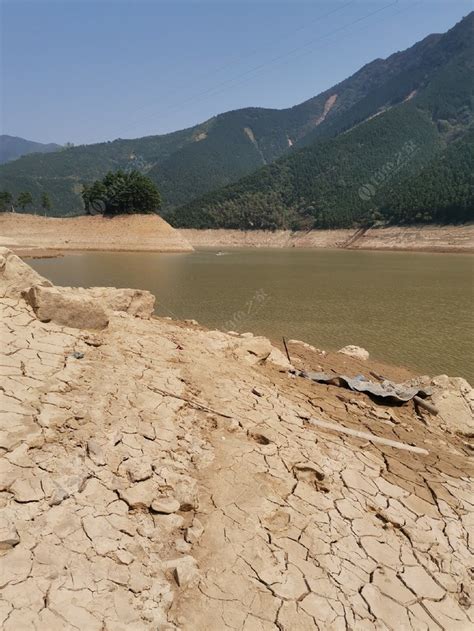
{"x": 158, "y": 476}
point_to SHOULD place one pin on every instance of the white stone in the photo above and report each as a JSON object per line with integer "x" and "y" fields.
{"x": 357, "y": 352}
{"x": 166, "y": 505}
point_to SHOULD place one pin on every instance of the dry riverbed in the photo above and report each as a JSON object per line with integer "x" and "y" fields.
{"x": 156, "y": 476}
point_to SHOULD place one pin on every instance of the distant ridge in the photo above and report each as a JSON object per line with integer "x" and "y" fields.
{"x": 13, "y": 147}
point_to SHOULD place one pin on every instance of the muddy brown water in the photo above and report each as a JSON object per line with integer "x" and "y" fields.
{"x": 406, "y": 308}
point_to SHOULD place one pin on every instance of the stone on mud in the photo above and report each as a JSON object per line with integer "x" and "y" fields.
{"x": 166, "y": 505}
{"x": 140, "y": 495}
{"x": 139, "y": 470}
{"x": 194, "y": 532}
{"x": 185, "y": 570}
{"x": 8, "y": 534}
{"x": 254, "y": 350}
{"x": 357, "y": 352}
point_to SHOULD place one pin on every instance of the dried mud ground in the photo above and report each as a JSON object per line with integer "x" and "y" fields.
{"x": 155, "y": 475}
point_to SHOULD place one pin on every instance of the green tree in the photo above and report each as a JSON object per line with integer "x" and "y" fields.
{"x": 6, "y": 200}
{"x": 24, "y": 199}
{"x": 120, "y": 193}
{"x": 45, "y": 202}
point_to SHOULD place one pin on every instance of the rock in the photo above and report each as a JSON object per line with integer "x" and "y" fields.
{"x": 194, "y": 532}
{"x": 355, "y": 351}
{"x": 95, "y": 452}
{"x": 124, "y": 557}
{"x": 8, "y": 534}
{"x": 277, "y": 358}
{"x": 166, "y": 505}
{"x": 182, "y": 546}
{"x": 67, "y": 308}
{"x": 27, "y": 489}
{"x": 254, "y": 350}
{"x": 16, "y": 276}
{"x": 186, "y": 493}
{"x": 135, "y": 302}
{"x": 168, "y": 523}
{"x": 186, "y": 573}
{"x": 139, "y": 495}
{"x": 308, "y": 347}
{"x": 138, "y": 470}
{"x": 184, "y": 569}
{"x": 305, "y": 345}
{"x": 454, "y": 399}
{"x": 251, "y": 349}
{"x": 57, "y": 496}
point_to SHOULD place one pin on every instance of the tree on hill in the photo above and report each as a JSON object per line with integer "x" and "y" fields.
{"x": 120, "y": 193}
{"x": 45, "y": 202}
{"x": 6, "y": 200}
{"x": 24, "y": 199}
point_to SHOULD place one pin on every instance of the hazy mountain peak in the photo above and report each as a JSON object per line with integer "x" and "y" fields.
{"x": 12, "y": 147}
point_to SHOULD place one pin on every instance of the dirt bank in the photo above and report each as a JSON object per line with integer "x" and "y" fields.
{"x": 42, "y": 236}
{"x": 160, "y": 476}
{"x": 425, "y": 238}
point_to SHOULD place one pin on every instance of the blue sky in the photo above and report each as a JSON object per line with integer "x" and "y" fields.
{"x": 93, "y": 70}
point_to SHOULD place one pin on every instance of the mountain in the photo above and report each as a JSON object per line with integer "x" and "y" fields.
{"x": 12, "y": 147}
{"x": 373, "y": 160}
{"x": 299, "y": 166}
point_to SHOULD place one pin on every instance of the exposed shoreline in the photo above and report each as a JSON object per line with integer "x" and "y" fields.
{"x": 35, "y": 236}
{"x": 31, "y": 235}
{"x": 159, "y": 475}
{"x": 414, "y": 238}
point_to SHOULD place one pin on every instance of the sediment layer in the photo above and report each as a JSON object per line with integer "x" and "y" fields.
{"x": 421, "y": 238}
{"x": 157, "y": 475}
{"x": 31, "y": 234}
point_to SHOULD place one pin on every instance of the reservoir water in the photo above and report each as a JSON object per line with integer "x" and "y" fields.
{"x": 411, "y": 309}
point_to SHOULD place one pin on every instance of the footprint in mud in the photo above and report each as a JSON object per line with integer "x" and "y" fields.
{"x": 312, "y": 476}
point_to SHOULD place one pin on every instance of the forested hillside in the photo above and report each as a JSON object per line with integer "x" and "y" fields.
{"x": 189, "y": 163}
{"x": 442, "y": 192}
{"x": 328, "y": 185}
{"x": 355, "y": 169}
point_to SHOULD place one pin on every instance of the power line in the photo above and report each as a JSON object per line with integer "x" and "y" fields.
{"x": 216, "y": 89}
{"x": 257, "y": 50}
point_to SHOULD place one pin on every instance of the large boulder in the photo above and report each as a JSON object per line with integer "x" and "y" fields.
{"x": 16, "y": 276}
{"x": 87, "y": 308}
{"x": 135, "y": 302}
{"x": 66, "y": 307}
